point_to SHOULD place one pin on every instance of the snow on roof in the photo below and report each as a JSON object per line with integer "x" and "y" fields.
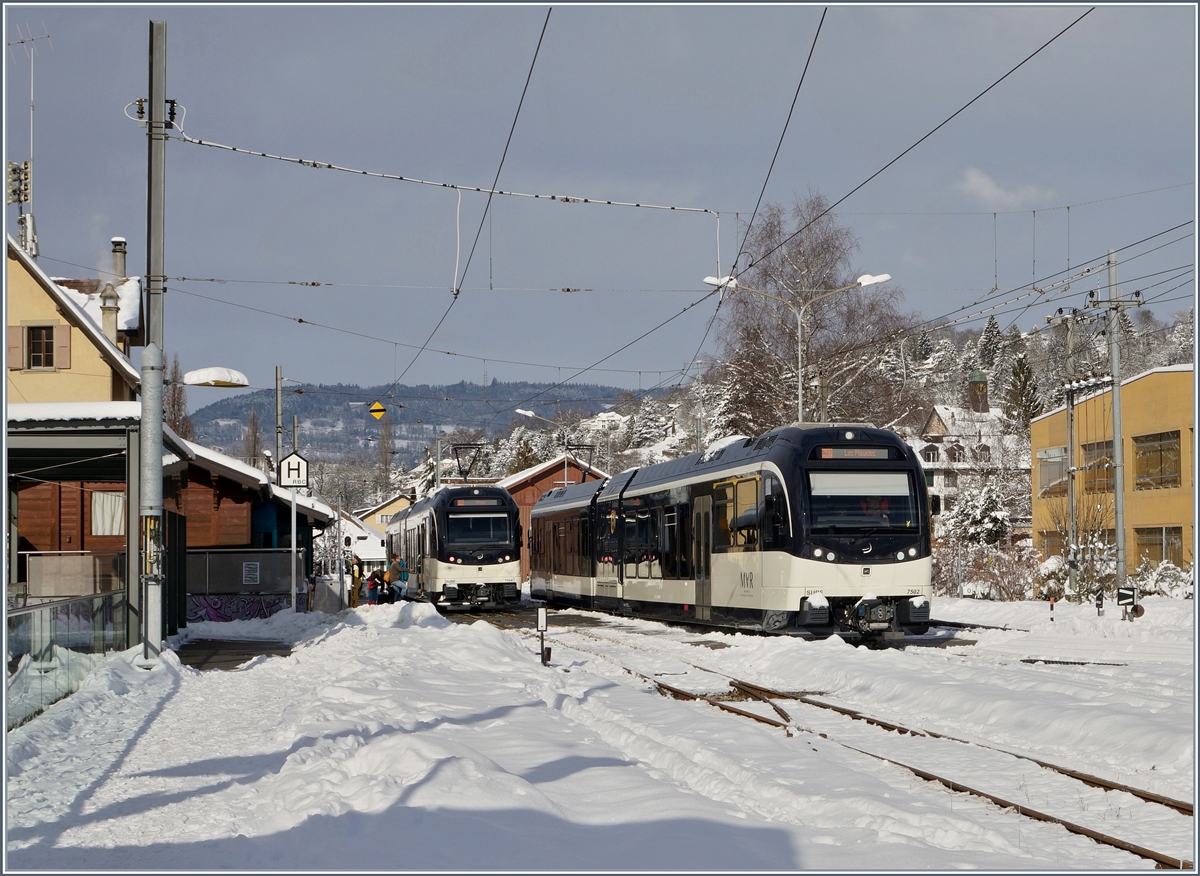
{"x": 234, "y": 469}
{"x": 366, "y": 541}
{"x": 77, "y": 317}
{"x": 97, "y": 412}
{"x": 534, "y": 470}
{"x": 368, "y": 511}
{"x": 116, "y": 411}
{"x": 312, "y": 507}
{"x": 86, "y": 293}
{"x": 1164, "y": 369}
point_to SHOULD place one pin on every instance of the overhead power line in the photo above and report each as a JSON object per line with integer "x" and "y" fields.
{"x": 950, "y": 118}
{"x": 301, "y": 321}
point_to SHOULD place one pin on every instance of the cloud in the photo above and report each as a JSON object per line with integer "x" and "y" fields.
{"x": 991, "y": 195}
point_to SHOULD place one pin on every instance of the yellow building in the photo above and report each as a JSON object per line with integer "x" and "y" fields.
{"x": 56, "y": 351}
{"x": 1157, "y": 427}
{"x": 381, "y": 515}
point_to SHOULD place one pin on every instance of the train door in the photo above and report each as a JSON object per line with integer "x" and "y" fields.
{"x": 608, "y": 564}
{"x": 702, "y": 554}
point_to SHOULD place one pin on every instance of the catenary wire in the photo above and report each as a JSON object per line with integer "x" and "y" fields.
{"x": 830, "y": 208}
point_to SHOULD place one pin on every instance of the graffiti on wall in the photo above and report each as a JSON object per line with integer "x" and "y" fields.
{"x": 230, "y": 608}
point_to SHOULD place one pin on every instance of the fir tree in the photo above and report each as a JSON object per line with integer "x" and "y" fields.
{"x": 989, "y": 344}
{"x": 1022, "y": 401}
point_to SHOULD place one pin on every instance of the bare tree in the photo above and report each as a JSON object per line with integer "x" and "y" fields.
{"x": 385, "y": 452}
{"x": 796, "y": 254}
{"x": 252, "y": 446}
{"x": 175, "y": 412}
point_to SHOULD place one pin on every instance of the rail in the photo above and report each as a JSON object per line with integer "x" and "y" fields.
{"x": 788, "y": 724}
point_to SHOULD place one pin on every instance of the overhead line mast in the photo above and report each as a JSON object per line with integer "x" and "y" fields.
{"x": 20, "y": 176}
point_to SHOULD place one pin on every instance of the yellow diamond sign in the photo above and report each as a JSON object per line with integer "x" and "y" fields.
{"x": 378, "y": 410}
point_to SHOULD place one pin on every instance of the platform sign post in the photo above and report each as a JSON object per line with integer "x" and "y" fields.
{"x": 293, "y": 473}
{"x": 542, "y": 624}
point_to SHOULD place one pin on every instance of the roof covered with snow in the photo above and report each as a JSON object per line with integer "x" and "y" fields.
{"x": 366, "y": 542}
{"x": 541, "y": 468}
{"x": 76, "y": 316}
{"x": 86, "y": 293}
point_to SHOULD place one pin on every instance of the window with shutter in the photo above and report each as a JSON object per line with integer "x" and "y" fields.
{"x": 16, "y": 348}
{"x": 62, "y": 347}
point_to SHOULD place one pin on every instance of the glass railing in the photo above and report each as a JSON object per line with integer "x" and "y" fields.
{"x": 52, "y": 647}
{"x": 50, "y": 576}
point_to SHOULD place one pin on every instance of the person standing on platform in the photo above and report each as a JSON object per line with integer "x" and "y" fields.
{"x": 356, "y": 570}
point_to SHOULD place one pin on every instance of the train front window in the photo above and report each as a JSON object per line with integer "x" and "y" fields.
{"x": 477, "y": 530}
{"x": 845, "y": 502}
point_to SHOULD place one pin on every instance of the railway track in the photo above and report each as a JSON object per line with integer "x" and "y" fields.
{"x": 739, "y": 694}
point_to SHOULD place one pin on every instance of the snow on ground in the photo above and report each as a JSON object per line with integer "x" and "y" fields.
{"x": 394, "y": 739}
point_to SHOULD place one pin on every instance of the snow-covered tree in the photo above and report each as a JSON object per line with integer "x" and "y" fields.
{"x": 989, "y": 344}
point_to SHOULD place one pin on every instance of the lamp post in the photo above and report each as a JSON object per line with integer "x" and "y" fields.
{"x": 733, "y": 285}
{"x": 566, "y": 453}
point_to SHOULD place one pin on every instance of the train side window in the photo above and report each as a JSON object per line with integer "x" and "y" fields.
{"x": 722, "y": 515}
{"x": 745, "y": 523}
{"x": 775, "y": 528}
{"x": 585, "y": 548}
{"x": 683, "y": 562}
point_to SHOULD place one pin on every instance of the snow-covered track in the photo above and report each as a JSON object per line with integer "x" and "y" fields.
{"x": 741, "y": 689}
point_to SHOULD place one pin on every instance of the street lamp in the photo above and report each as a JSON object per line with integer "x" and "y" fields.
{"x": 732, "y": 284}
{"x": 566, "y": 453}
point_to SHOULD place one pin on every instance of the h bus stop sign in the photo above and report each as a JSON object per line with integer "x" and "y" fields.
{"x": 293, "y": 471}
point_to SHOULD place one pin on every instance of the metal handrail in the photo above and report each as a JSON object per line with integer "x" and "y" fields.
{"x": 56, "y": 603}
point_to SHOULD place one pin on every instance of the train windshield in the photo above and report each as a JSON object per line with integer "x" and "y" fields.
{"x": 477, "y": 530}
{"x": 850, "y": 502}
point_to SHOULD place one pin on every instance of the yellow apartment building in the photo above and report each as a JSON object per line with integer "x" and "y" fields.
{"x": 1158, "y": 437}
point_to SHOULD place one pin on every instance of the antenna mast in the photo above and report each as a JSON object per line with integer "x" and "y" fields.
{"x": 20, "y": 176}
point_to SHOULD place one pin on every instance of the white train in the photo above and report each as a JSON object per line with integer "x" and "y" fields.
{"x": 807, "y": 530}
{"x": 462, "y": 546}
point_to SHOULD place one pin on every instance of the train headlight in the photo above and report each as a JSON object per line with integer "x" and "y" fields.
{"x": 912, "y": 552}
{"x": 831, "y": 556}
{"x": 899, "y": 555}
{"x": 817, "y": 552}
{"x": 506, "y": 558}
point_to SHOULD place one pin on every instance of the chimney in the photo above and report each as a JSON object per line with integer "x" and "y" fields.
{"x": 118, "y": 245}
{"x": 977, "y": 392}
{"x": 109, "y": 305}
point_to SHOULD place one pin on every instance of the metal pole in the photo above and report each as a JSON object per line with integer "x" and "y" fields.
{"x": 151, "y": 502}
{"x": 1118, "y": 457}
{"x": 1072, "y": 512}
{"x": 799, "y": 361}
{"x": 278, "y": 419}
{"x": 338, "y": 554}
{"x": 151, "y": 479}
{"x": 293, "y": 492}
{"x": 157, "y": 134}
{"x": 437, "y": 477}
{"x": 295, "y": 434}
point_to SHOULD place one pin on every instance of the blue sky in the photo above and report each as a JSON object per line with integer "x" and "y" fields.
{"x": 670, "y": 105}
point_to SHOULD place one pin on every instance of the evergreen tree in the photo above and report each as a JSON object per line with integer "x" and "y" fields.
{"x": 924, "y": 347}
{"x": 989, "y": 344}
{"x": 979, "y": 517}
{"x": 1022, "y": 401}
